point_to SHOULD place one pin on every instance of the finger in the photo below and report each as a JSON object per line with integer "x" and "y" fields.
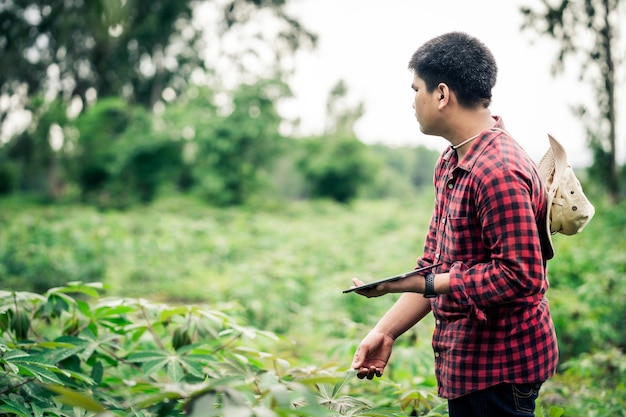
{"x": 357, "y": 282}
{"x": 373, "y": 371}
{"x": 369, "y": 373}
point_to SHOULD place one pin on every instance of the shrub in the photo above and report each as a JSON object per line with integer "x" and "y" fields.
{"x": 36, "y": 254}
{"x": 69, "y": 350}
{"x": 337, "y": 167}
{"x": 134, "y": 357}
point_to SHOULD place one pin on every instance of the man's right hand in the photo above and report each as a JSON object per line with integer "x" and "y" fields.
{"x": 372, "y": 355}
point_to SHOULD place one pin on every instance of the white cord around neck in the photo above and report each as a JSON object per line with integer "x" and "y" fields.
{"x": 464, "y": 142}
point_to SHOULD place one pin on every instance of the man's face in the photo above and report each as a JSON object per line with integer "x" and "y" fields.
{"x": 425, "y": 105}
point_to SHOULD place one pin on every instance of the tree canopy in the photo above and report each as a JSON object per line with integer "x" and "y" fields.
{"x": 133, "y": 49}
{"x": 84, "y": 73}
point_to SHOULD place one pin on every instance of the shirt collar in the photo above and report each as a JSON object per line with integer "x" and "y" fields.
{"x": 477, "y": 147}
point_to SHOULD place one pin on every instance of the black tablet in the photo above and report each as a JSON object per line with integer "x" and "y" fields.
{"x": 391, "y": 279}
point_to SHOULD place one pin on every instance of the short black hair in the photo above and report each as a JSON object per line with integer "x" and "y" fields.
{"x": 462, "y": 62}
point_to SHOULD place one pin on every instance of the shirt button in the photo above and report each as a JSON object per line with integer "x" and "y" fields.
{"x": 436, "y": 354}
{"x": 436, "y": 256}
{"x": 438, "y": 322}
{"x": 450, "y": 185}
{"x": 443, "y": 220}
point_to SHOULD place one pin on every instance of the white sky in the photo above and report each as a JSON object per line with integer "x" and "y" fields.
{"x": 368, "y": 44}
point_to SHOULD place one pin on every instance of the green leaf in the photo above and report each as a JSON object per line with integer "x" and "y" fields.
{"x": 40, "y": 368}
{"x": 152, "y": 367}
{"x": 60, "y": 350}
{"x": 97, "y": 371}
{"x": 35, "y": 366}
{"x": 76, "y": 399}
{"x": 11, "y": 366}
{"x": 90, "y": 289}
{"x": 174, "y": 371}
{"x": 148, "y": 356}
{"x": 41, "y": 374}
{"x": 56, "y": 344}
{"x": 15, "y": 353}
{"x": 60, "y": 300}
{"x": 106, "y": 311}
{"x": 80, "y": 376}
{"x": 37, "y": 411}
{"x": 147, "y": 401}
{"x": 193, "y": 366}
{"x": 319, "y": 379}
{"x": 32, "y": 359}
{"x": 556, "y": 411}
{"x": 15, "y": 408}
{"x": 84, "y": 307}
{"x": 168, "y": 313}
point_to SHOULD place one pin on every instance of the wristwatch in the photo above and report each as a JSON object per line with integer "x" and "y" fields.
{"x": 429, "y": 291}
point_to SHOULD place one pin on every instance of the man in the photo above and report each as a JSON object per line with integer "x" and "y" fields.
{"x": 494, "y": 342}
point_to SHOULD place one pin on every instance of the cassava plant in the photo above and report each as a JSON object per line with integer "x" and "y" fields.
{"x": 69, "y": 352}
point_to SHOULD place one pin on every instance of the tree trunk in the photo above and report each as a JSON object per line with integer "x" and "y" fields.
{"x": 609, "y": 79}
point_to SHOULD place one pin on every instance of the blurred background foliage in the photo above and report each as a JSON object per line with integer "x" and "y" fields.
{"x": 129, "y": 157}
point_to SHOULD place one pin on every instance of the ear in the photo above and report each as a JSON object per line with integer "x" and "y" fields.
{"x": 442, "y": 92}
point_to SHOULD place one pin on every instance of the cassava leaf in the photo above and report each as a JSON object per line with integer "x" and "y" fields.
{"x": 174, "y": 370}
{"x": 148, "y": 356}
{"x": 15, "y": 408}
{"x": 76, "y": 399}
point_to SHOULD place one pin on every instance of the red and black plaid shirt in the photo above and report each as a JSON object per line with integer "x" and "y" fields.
{"x": 494, "y": 326}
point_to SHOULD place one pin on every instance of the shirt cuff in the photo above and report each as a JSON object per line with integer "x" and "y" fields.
{"x": 459, "y": 295}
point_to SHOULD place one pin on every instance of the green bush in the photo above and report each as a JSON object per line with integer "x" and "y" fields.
{"x": 228, "y": 150}
{"x": 586, "y": 278}
{"x": 118, "y": 156}
{"x": 591, "y": 384}
{"x": 70, "y": 353}
{"x": 37, "y": 253}
{"x": 337, "y": 167}
{"x": 8, "y": 175}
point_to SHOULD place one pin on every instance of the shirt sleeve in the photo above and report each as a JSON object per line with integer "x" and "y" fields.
{"x": 505, "y": 211}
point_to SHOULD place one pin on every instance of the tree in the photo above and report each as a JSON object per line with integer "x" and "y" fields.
{"x": 33, "y": 151}
{"x": 135, "y": 49}
{"x": 588, "y": 31}
{"x": 228, "y": 148}
{"x": 88, "y": 48}
{"x": 117, "y": 156}
{"x": 145, "y": 52}
{"x": 337, "y": 165}
{"x": 341, "y": 115}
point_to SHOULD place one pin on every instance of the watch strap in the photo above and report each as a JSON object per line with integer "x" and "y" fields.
{"x": 429, "y": 291}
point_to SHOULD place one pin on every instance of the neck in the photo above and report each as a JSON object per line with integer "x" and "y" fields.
{"x": 471, "y": 123}
{"x": 466, "y": 141}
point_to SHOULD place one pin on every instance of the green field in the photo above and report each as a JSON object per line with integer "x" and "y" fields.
{"x": 281, "y": 268}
